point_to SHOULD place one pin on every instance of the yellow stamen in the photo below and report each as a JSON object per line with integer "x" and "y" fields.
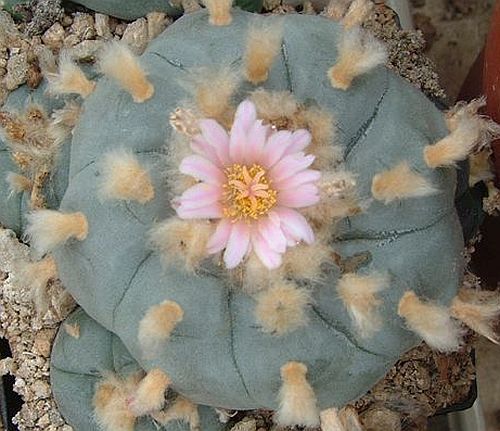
{"x": 247, "y": 193}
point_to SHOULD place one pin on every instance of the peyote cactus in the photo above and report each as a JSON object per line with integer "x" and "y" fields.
{"x": 268, "y": 246}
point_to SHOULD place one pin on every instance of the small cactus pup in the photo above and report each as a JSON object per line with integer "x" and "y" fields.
{"x": 131, "y": 9}
{"x": 98, "y": 385}
{"x": 263, "y": 225}
{"x": 35, "y": 131}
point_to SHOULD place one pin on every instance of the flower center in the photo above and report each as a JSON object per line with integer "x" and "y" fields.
{"x": 247, "y": 193}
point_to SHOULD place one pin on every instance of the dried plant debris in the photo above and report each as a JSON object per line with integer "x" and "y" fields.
{"x": 424, "y": 382}
{"x": 406, "y": 52}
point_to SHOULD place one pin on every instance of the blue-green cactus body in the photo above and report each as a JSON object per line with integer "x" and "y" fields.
{"x": 77, "y": 365}
{"x": 131, "y": 9}
{"x": 11, "y": 208}
{"x": 218, "y": 355}
{"x": 15, "y": 206}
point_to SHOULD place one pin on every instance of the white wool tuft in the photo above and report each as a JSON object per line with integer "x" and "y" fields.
{"x": 157, "y": 325}
{"x": 431, "y": 322}
{"x": 469, "y": 131}
{"x": 219, "y": 11}
{"x": 63, "y": 121}
{"x": 479, "y": 311}
{"x": 150, "y": 393}
{"x": 36, "y": 275}
{"x": 350, "y": 419}
{"x": 336, "y": 9}
{"x": 262, "y": 46}
{"x": 400, "y": 182}
{"x": 119, "y": 63}
{"x": 213, "y": 88}
{"x": 110, "y": 403}
{"x": 182, "y": 410}
{"x": 18, "y": 183}
{"x": 359, "y": 294}
{"x": 358, "y": 12}
{"x": 359, "y": 52}
{"x": 72, "y": 329}
{"x": 70, "y": 79}
{"x": 330, "y": 420}
{"x": 182, "y": 241}
{"x": 123, "y": 178}
{"x": 48, "y": 229}
{"x": 282, "y": 308}
{"x": 298, "y": 404}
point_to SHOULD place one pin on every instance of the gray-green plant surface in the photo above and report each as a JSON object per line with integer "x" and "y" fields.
{"x": 132, "y": 9}
{"x": 77, "y": 365}
{"x": 217, "y": 355}
{"x": 15, "y": 206}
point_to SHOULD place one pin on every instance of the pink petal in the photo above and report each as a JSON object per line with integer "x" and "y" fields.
{"x": 210, "y": 211}
{"x": 290, "y": 240}
{"x": 270, "y": 258}
{"x": 274, "y": 217}
{"x": 237, "y": 144}
{"x": 304, "y": 196}
{"x": 237, "y": 244}
{"x": 217, "y": 137}
{"x": 255, "y": 141}
{"x": 300, "y": 139}
{"x": 200, "y": 146}
{"x": 244, "y": 119}
{"x": 200, "y": 195}
{"x": 289, "y": 166}
{"x": 273, "y": 234}
{"x": 202, "y": 169}
{"x": 245, "y": 115}
{"x": 295, "y": 224}
{"x": 218, "y": 240}
{"x": 307, "y": 176}
{"x": 275, "y": 147}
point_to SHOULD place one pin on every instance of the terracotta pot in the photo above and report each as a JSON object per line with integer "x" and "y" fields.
{"x": 484, "y": 78}
{"x": 491, "y": 80}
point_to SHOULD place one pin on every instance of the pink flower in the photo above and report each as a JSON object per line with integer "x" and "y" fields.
{"x": 253, "y": 180}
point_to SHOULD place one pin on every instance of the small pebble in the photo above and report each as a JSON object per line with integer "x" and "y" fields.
{"x": 136, "y": 36}
{"x": 41, "y": 389}
{"x": 381, "y": 419}
{"x": 17, "y": 70}
{"x": 54, "y": 36}
{"x": 120, "y": 29}
{"x": 102, "y": 26}
{"x": 157, "y": 23}
{"x": 86, "y": 50}
{"x": 67, "y": 21}
{"x": 72, "y": 329}
{"x": 83, "y": 26}
{"x": 247, "y": 424}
